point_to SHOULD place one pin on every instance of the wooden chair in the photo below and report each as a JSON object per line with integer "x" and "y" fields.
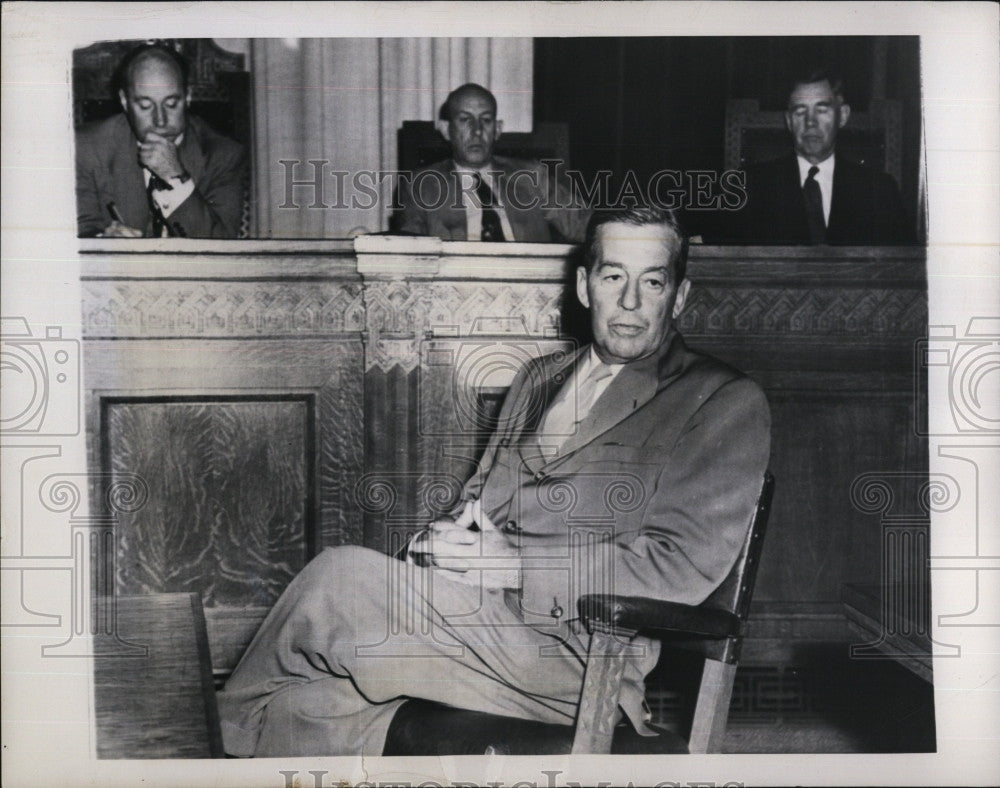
{"x": 715, "y": 629}
{"x": 874, "y": 137}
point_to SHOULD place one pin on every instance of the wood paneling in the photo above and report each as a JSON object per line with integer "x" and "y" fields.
{"x": 381, "y": 347}
{"x": 230, "y": 513}
{"x": 160, "y": 704}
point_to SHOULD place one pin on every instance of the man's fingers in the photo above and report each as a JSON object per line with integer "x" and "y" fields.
{"x": 452, "y": 564}
{"x": 421, "y": 544}
{"x": 482, "y": 519}
{"x": 457, "y": 536}
{"x": 119, "y": 230}
{"x": 467, "y": 517}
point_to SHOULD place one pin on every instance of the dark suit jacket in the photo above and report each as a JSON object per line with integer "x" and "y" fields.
{"x": 539, "y": 210}
{"x": 662, "y": 478}
{"x": 865, "y": 210}
{"x": 107, "y": 170}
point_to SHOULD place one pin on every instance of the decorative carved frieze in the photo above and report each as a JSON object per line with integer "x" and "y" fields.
{"x": 207, "y": 308}
{"x": 401, "y": 313}
{"x": 871, "y": 313}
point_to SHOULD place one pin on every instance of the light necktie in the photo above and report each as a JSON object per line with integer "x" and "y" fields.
{"x": 491, "y": 229}
{"x": 814, "y": 207}
{"x": 566, "y": 413}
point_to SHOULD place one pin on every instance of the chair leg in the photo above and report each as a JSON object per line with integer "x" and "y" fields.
{"x": 712, "y": 710}
{"x": 602, "y": 683}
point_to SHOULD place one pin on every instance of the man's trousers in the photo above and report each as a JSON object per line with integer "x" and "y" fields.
{"x": 357, "y": 632}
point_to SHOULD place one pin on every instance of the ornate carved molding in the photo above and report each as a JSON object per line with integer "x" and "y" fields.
{"x": 178, "y": 308}
{"x": 400, "y": 313}
{"x": 870, "y": 314}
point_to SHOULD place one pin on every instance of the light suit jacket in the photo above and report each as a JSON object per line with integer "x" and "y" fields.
{"x": 539, "y": 210}
{"x": 651, "y": 497}
{"x": 108, "y": 170}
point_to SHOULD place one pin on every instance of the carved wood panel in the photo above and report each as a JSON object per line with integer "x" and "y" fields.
{"x": 230, "y": 512}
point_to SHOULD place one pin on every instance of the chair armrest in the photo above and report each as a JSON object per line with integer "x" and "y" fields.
{"x": 651, "y": 615}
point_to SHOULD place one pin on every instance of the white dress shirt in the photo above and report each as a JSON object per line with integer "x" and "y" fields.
{"x": 474, "y": 211}
{"x": 825, "y": 180}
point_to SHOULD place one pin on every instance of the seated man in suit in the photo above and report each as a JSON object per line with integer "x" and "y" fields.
{"x": 476, "y": 196}
{"x": 816, "y": 196}
{"x": 631, "y": 465}
{"x": 157, "y": 170}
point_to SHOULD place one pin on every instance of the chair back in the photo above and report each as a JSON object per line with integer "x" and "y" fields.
{"x": 219, "y": 82}
{"x": 874, "y": 137}
{"x": 736, "y": 590}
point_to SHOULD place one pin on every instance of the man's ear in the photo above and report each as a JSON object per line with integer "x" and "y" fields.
{"x": 123, "y": 100}
{"x": 682, "y": 294}
{"x": 497, "y": 130}
{"x": 845, "y": 113}
{"x": 187, "y": 98}
{"x": 788, "y": 122}
{"x": 581, "y": 286}
{"x": 444, "y": 127}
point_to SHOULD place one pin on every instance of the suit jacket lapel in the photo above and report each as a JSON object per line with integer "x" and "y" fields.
{"x": 516, "y": 192}
{"x": 797, "y": 218}
{"x": 630, "y": 390}
{"x": 451, "y": 215}
{"x": 543, "y": 393}
{"x": 633, "y": 387}
{"x": 126, "y": 177}
{"x": 842, "y": 198}
{"x": 191, "y": 153}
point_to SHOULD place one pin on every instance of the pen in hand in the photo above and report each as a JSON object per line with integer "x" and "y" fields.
{"x": 113, "y": 210}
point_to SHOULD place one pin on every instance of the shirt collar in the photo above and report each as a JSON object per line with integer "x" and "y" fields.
{"x": 591, "y": 359}
{"x": 484, "y": 171}
{"x": 825, "y": 173}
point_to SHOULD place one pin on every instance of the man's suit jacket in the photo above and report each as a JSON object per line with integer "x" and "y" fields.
{"x": 540, "y": 209}
{"x": 865, "y": 208}
{"x": 651, "y": 497}
{"x": 108, "y": 170}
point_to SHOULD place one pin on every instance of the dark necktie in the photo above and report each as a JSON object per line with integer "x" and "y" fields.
{"x": 814, "y": 207}
{"x": 491, "y": 229}
{"x": 157, "y": 183}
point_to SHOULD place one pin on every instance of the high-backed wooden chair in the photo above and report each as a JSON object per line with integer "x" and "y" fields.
{"x": 715, "y": 629}
{"x": 874, "y": 137}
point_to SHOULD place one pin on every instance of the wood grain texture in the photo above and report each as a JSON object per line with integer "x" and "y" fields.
{"x": 227, "y": 515}
{"x": 161, "y": 705}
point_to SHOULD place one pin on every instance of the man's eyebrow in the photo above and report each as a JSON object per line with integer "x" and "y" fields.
{"x": 652, "y": 269}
